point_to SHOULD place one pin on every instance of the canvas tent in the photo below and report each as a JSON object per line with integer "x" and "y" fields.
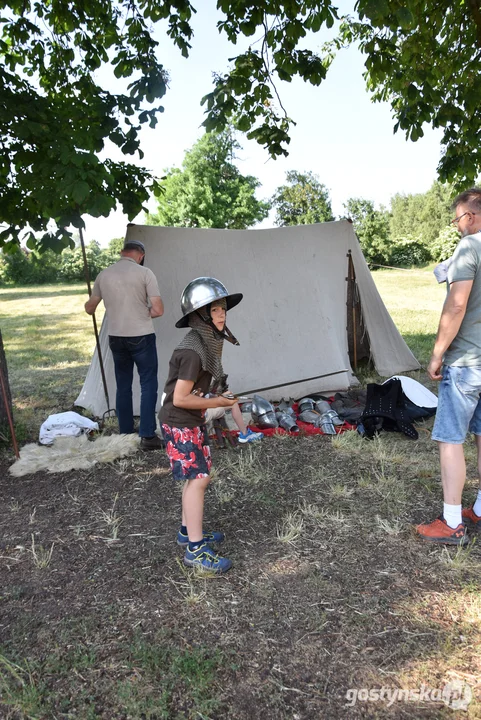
{"x": 310, "y": 308}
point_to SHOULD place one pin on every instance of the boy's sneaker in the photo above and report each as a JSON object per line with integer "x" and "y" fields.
{"x": 470, "y": 515}
{"x": 439, "y": 531}
{"x": 250, "y": 436}
{"x": 208, "y": 537}
{"x": 204, "y": 558}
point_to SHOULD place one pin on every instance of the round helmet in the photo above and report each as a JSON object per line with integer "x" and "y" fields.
{"x": 201, "y": 292}
{"x": 263, "y": 413}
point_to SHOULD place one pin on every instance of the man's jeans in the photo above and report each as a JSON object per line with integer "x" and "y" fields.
{"x": 142, "y": 351}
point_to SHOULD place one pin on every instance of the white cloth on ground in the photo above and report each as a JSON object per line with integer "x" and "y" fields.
{"x": 65, "y": 424}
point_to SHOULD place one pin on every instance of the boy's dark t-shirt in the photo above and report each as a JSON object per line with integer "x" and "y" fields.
{"x": 184, "y": 365}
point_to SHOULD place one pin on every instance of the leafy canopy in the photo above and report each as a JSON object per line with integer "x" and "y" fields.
{"x": 55, "y": 118}
{"x": 209, "y": 191}
{"x": 372, "y": 228}
{"x": 303, "y": 200}
{"x": 422, "y": 56}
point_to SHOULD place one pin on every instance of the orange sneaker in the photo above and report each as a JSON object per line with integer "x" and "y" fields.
{"x": 439, "y": 531}
{"x": 470, "y": 515}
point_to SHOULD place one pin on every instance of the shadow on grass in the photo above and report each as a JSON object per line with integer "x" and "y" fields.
{"x": 421, "y": 345}
{"x": 37, "y": 292}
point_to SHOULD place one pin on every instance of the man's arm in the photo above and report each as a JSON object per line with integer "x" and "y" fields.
{"x": 452, "y": 316}
{"x": 91, "y": 304}
{"x": 157, "y": 306}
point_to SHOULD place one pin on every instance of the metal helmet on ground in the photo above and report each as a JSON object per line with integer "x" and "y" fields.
{"x": 201, "y": 292}
{"x": 263, "y": 414}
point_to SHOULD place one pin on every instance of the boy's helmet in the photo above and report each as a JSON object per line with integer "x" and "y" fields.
{"x": 201, "y": 292}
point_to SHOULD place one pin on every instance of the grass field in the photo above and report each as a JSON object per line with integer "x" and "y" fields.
{"x": 332, "y": 609}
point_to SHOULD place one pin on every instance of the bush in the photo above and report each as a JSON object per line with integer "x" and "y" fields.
{"x": 409, "y": 251}
{"x": 27, "y": 268}
{"x": 22, "y": 267}
{"x": 445, "y": 244}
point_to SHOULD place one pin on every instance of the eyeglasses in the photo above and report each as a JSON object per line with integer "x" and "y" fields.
{"x": 457, "y": 219}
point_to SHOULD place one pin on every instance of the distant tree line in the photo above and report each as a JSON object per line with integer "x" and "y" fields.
{"x": 209, "y": 191}
{"x": 25, "y": 267}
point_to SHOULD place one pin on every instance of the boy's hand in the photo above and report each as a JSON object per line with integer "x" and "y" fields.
{"x": 227, "y": 400}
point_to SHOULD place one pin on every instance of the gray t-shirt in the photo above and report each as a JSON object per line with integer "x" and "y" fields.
{"x": 466, "y": 265}
{"x": 125, "y": 288}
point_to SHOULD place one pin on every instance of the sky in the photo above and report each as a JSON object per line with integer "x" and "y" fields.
{"x": 341, "y": 136}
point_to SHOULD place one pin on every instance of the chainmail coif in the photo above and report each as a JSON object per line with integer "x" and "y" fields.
{"x": 202, "y": 340}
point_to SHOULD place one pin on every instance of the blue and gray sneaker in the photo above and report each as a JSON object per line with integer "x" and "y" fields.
{"x": 250, "y": 436}
{"x": 208, "y": 537}
{"x": 204, "y": 558}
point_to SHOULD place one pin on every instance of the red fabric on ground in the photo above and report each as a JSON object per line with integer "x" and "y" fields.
{"x": 304, "y": 428}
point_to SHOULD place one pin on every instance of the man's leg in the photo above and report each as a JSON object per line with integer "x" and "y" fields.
{"x": 473, "y": 513}
{"x": 145, "y": 358}
{"x": 453, "y": 472}
{"x": 457, "y": 401}
{"x": 124, "y": 371}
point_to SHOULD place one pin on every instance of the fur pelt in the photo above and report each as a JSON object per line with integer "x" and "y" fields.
{"x": 73, "y": 453}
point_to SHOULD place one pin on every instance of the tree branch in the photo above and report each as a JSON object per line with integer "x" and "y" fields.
{"x": 476, "y": 13}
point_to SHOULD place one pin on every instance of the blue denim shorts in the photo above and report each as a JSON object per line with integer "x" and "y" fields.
{"x": 459, "y": 405}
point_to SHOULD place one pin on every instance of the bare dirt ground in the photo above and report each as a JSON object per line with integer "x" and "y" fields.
{"x": 330, "y": 596}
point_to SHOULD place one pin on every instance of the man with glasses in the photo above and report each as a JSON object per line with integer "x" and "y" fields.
{"x": 456, "y": 363}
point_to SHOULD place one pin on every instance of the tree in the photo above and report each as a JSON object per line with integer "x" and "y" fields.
{"x": 209, "y": 191}
{"x": 302, "y": 201}
{"x": 372, "y": 228}
{"x": 55, "y": 118}
{"x": 423, "y": 56}
{"x": 421, "y": 216}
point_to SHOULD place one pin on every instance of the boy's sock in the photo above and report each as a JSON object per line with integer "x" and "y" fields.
{"x": 195, "y": 545}
{"x": 477, "y": 504}
{"x": 183, "y": 530}
{"x": 452, "y": 515}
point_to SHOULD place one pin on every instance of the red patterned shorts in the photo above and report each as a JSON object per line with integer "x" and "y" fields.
{"x": 188, "y": 452}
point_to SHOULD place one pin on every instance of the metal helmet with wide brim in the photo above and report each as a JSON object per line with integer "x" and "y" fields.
{"x": 201, "y": 292}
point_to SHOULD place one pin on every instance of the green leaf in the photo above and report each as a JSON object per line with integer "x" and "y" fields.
{"x": 80, "y": 192}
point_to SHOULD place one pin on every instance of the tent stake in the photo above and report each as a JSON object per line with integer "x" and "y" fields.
{"x": 94, "y": 320}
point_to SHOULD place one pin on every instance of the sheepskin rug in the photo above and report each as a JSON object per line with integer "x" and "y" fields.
{"x": 73, "y": 453}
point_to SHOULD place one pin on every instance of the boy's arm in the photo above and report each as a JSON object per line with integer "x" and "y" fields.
{"x": 184, "y": 398}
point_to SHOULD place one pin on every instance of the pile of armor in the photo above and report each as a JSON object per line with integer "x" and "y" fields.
{"x": 316, "y": 412}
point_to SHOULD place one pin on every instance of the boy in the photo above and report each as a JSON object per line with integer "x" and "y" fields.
{"x": 194, "y": 364}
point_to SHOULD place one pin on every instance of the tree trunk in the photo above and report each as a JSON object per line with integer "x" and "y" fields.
{"x": 4, "y": 372}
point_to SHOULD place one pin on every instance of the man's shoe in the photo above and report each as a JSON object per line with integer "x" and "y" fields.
{"x": 439, "y": 531}
{"x": 151, "y": 443}
{"x": 250, "y": 436}
{"x": 208, "y": 537}
{"x": 204, "y": 558}
{"x": 470, "y": 515}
